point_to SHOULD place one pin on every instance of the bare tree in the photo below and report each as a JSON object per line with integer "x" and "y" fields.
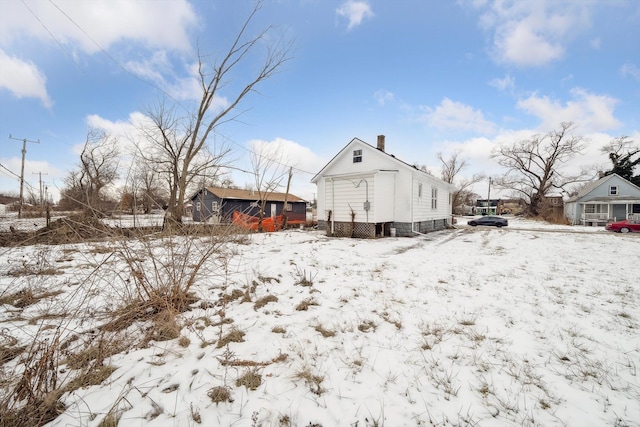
{"x": 268, "y": 172}
{"x": 98, "y": 169}
{"x": 180, "y": 142}
{"x": 534, "y": 165}
{"x": 621, "y": 151}
{"x": 451, "y": 167}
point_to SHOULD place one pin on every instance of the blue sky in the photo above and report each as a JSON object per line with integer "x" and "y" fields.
{"x": 433, "y": 76}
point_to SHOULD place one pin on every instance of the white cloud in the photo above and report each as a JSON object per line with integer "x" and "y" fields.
{"x": 91, "y": 25}
{"x": 23, "y": 79}
{"x": 383, "y": 96}
{"x": 355, "y": 11}
{"x": 630, "y": 70}
{"x": 532, "y": 33}
{"x": 590, "y": 112}
{"x": 506, "y": 84}
{"x": 458, "y": 116}
{"x": 158, "y": 69}
{"x": 305, "y": 164}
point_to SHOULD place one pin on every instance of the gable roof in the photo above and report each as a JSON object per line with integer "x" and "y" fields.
{"x": 391, "y": 157}
{"x": 595, "y": 184}
{"x": 239, "y": 194}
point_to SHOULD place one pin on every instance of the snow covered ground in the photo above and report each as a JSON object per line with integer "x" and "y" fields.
{"x": 531, "y": 325}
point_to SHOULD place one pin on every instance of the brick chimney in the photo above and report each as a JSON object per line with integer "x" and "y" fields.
{"x": 381, "y": 143}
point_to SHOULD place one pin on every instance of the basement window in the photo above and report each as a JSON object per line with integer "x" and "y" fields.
{"x": 357, "y": 156}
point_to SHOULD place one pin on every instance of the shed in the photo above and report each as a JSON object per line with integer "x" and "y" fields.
{"x": 217, "y": 204}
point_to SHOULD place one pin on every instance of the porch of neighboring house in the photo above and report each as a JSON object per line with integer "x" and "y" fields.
{"x": 599, "y": 214}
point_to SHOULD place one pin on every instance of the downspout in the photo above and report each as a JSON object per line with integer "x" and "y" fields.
{"x": 333, "y": 207}
{"x": 411, "y": 210}
{"x": 366, "y": 185}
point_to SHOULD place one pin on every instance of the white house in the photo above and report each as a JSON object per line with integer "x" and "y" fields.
{"x": 365, "y": 192}
{"x": 611, "y": 198}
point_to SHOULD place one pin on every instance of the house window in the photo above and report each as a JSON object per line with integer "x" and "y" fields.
{"x": 357, "y": 156}
{"x": 419, "y": 190}
{"x": 214, "y": 206}
{"x": 434, "y": 198}
{"x": 613, "y": 190}
{"x": 288, "y": 207}
{"x": 198, "y": 206}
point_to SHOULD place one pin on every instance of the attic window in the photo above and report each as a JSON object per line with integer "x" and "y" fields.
{"x": 613, "y": 190}
{"x": 357, "y": 156}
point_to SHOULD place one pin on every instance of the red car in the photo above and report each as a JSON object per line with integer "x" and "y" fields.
{"x": 626, "y": 226}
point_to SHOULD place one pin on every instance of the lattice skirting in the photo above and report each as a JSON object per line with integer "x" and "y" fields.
{"x": 359, "y": 229}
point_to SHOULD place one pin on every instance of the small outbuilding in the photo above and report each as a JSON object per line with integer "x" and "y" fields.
{"x": 217, "y": 204}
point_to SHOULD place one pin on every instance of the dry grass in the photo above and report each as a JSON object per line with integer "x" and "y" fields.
{"x": 304, "y": 305}
{"x": 264, "y": 301}
{"x": 279, "y": 330}
{"x": 231, "y": 360}
{"x": 26, "y": 297}
{"x": 313, "y": 381}
{"x": 251, "y": 379}
{"x": 235, "y": 335}
{"x": 302, "y": 278}
{"x": 220, "y": 394}
{"x": 325, "y": 332}
{"x": 367, "y": 326}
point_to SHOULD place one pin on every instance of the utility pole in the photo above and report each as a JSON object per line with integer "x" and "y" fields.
{"x": 489, "y": 196}
{"x": 24, "y": 152}
{"x": 41, "y": 200}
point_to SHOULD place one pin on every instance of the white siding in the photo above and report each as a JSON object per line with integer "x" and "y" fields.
{"x": 342, "y": 197}
{"x": 321, "y": 208}
{"x": 423, "y": 207}
{"x": 384, "y": 197}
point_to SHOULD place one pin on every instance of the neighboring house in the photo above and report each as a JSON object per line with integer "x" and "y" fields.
{"x": 611, "y": 198}
{"x": 484, "y": 208}
{"x": 365, "y": 192}
{"x": 215, "y": 204}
